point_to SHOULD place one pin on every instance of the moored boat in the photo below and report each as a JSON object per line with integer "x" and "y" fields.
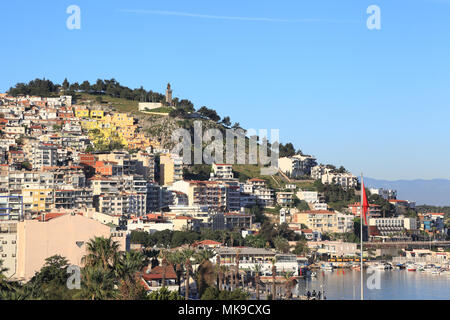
{"x": 411, "y": 267}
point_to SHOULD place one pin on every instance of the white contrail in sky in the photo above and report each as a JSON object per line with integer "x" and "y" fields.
{"x": 207, "y": 16}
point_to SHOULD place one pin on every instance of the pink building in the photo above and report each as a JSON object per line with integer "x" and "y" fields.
{"x": 64, "y": 235}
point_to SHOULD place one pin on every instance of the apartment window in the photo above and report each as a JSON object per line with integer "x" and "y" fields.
{"x": 4, "y": 242}
{"x": 4, "y": 255}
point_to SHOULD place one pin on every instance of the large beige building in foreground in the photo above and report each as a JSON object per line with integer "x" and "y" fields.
{"x": 64, "y": 235}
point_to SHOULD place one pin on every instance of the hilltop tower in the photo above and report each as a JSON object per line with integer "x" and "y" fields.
{"x": 169, "y": 95}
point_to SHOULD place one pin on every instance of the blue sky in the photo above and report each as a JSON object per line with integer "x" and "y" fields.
{"x": 375, "y": 101}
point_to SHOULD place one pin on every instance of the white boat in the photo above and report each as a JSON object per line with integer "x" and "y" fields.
{"x": 411, "y": 267}
{"x": 378, "y": 266}
{"x": 327, "y": 267}
{"x": 381, "y": 266}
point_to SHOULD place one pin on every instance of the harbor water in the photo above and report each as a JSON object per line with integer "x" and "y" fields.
{"x": 344, "y": 284}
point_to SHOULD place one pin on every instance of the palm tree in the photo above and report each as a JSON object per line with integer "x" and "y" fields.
{"x": 129, "y": 265}
{"x": 101, "y": 252}
{"x": 176, "y": 259}
{"x": 202, "y": 256}
{"x": 187, "y": 256}
{"x": 205, "y": 270}
{"x": 238, "y": 252}
{"x": 99, "y": 284}
{"x": 100, "y": 263}
{"x": 225, "y": 271}
{"x": 165, "y": 256}
{"x": 4, "y": 284}
{"x": 219, "y": 273}
{"x": 257, "y": 269}
{"x": 289, "y": 284}
{"x": 274, "y": 275}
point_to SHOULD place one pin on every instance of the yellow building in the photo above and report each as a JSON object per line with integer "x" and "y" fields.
{"x": 37, "y": 199}
{"x": 119, "y": 119}
{"x": 82, "y": 113}
{"x": 127, "y": 132}
{"x": 97, "y": 114}
{"x": 318, "y": 220}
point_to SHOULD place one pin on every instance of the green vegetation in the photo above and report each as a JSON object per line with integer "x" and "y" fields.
{"x": 213, "y": 293}
{"x": 102, "y": 142}
{"x": 161, "y": 110}
{"x": 107, "y": 274}
{"x": 336, "y": 197}
{"x": 197, "y": 172}
{"x": 164, "y": 294}
{"x": 301, "y": 248}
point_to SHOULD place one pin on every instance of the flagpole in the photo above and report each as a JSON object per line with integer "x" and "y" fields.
{"x": 361, "y": 237}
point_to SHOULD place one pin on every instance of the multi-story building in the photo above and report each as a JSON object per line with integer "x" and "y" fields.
{"x": 37, "y": 199}
{"x": 11, "y": 206}
{"x": 58, "y": 234}
{"x": 237, "y": 221}
{"x": 345, "y": 180}
{"x": 123, "y": 203}
{"x": 68, "y": 198}
{"x": 391, "y": 227}
{"x": 345, "y": 222}
{"x": 285, "y": 199}
{"x": 145, "y": 165}
{"x": 384, "y": 193}
{"x": 223, "y": 171}
{"x": 373, "y": 211}
{"x": 323, "y": 221}
{"x": 8, "y": 247}
{"x": 255, "y": 191}
{"x": 308, "y": 196}
{"x": 297, "y": 165}
{"x": 171, "y": 169}
{"x": 44, "y": 155}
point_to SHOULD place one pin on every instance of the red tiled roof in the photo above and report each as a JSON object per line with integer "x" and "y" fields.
{"x": 206, "y": 242}
{"x": 157, "y": 273}
{"x": 49, "y": 216}
{"x": 318, "y": 212}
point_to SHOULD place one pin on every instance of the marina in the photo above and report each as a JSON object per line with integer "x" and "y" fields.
{"x": 394, "y": 284}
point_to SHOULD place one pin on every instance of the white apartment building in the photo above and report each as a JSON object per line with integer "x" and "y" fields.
{"x": 344, "y": 222}
{"x": 223, "y": 171}
{"x": 285, "y": 199}
{"x": 308, "y": 196}
{"x": 384, "y": 193}
{"x": 345, "y": 180}
{"x": 297, "y": 165}
{"x": 320, "y": 206}
{"x": 124, "y": 203}
{"x": 44, "y": 155}
{"x": 394, "y": 223}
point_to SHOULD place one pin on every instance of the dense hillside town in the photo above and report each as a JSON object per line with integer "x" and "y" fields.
{"x": 77, "y": 174}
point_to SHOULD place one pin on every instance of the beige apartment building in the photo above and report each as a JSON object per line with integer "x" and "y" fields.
{"x": 171, "y": 169}
{"x": 318, "y": 220}
{"x": 64, "y": 235}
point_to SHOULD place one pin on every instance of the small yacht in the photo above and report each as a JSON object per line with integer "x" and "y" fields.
{"x": 411, "y": 267}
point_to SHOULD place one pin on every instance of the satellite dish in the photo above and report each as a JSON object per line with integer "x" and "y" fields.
{"x": 79, "y": 243}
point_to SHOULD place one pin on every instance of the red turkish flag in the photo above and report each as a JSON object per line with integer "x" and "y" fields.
{"x": 365, "y": 203}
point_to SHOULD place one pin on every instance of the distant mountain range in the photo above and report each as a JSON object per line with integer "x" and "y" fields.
{"x": 431, "y": 192}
